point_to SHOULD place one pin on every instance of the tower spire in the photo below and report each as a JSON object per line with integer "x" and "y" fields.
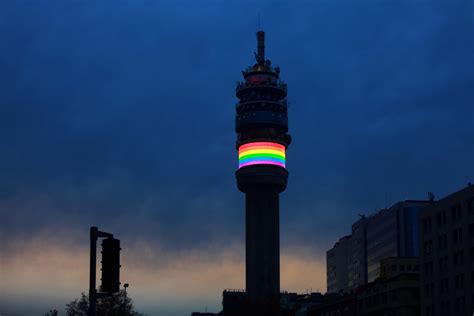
{"x": 261, "y": 47}
{"x": 258, "y": 22}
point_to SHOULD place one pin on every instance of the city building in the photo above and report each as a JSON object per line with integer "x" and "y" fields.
{"x": 293, "y": 304}
{"x": 357, "y": 271}
{"x": 261, "y": 124}
{"x": 234, "y": 302}
{"x": 335, "y": 304}
{"x": 391, "y": 232}
{"x": 447, "y": 255}
{"x": 337, "y": 265}
{"x": 395, "y": 293}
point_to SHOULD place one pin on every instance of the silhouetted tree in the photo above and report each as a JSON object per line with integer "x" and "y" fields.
{"x": 118, "y": 304}
{"x": 52, "y": 312}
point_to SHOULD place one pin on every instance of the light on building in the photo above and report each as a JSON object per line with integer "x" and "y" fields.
{"x": 262, "y": 153}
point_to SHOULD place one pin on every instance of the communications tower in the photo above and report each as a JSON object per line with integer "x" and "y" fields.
{"x": 261, "y": 125}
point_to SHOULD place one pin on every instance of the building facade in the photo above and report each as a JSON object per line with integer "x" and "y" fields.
{"x": 395, "y": 293}
{"x": 447, "y": 255}
{"x": 337, "y": 265}
{"x": 391, "y": 232}
{"x": 357, "y": 274}
{"x": 344, "y": 304}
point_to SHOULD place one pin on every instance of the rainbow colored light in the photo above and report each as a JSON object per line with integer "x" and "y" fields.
{"x": 262, "y": 153}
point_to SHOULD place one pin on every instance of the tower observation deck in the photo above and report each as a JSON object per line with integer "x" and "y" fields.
{"x": 261, "y": 125}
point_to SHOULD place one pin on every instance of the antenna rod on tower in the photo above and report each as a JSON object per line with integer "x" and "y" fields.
{"x": 258, "y": 22}
{"x": 261, "y": 47}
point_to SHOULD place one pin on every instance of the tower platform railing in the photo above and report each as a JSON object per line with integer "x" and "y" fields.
{"x": 280, "y": 84}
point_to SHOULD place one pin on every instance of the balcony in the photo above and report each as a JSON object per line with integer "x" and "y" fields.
{"x": 261, "y": 69}
{"x": 279, "y": 85}
{"x": 263, "y": 103}
{"x": 258, "y": 118}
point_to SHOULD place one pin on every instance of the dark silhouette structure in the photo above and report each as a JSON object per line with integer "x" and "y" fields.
{"x": 110, "y": 267}
{"x": 262, "y": 125}
{"x": 447, "y": 255}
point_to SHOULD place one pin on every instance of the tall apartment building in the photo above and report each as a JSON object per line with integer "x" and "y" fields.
{"x": 447, "y": 255}
{"x": 337, "y": 264}
{"x": 391, "y": 232}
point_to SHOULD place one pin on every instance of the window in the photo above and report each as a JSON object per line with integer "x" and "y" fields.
{"x": 470, "y": 206}
{"x": 442, "y": 241}
{"x": 456, "y": 212}
{"x": 459, "y": 304}
{"x": 427, "y": 246}
{"x": 429, "y": 290}
{"x": 428, "y": 268}
{"x": 394, "y": 295}
{"x": 458, "y": 258}
{"x": 441, "y": 218}
{"x": 427, "y": 224}
{"x": 459, "y": 282}
{"x": 457, "y": 235}
{"x": 443, "y": 286}
{"x": 444, "y": 308}
{"x": 443, "y": 264}
{"x": 430, "y": 310}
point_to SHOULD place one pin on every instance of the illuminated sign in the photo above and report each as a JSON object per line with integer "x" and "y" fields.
{"x": 262, "y": 153}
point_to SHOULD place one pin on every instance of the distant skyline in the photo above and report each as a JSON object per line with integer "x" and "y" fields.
{"x": 120, "y": 114}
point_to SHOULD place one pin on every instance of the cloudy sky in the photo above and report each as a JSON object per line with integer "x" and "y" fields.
{"x": 120, "y": 114}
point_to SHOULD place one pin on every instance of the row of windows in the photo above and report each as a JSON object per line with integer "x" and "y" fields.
{"x": 443, "y": 262}
{"x": 428, "y": 247}
{"x": 401, "y": 267}
{"x": 444, "y": 285}
{"x": 456, "y": 215}
{"x": 383, "y": 298}
{"x": 445, "y": 307}
{"x": 457, "y": 237}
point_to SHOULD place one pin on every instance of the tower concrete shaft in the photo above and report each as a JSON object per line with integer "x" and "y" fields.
{"x": 262, "y": 250}
{"x": 262, "y": 140}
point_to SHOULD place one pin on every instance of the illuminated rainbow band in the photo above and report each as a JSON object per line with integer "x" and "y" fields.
{"x": 262, "y": 153}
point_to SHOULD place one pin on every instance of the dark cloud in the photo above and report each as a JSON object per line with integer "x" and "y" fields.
{"x": 121, "y": 114}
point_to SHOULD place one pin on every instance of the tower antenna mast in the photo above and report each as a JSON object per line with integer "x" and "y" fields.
{"x": 258, "y": 22}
